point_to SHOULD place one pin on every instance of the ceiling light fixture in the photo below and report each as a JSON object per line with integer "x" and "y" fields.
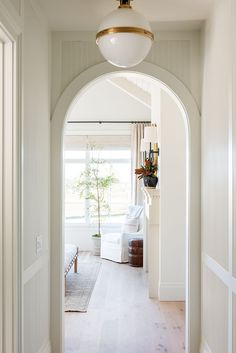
{"x": 124, "y": 36}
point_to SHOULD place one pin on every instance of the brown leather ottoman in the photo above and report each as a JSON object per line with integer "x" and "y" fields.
{"x": 136, "y": 252}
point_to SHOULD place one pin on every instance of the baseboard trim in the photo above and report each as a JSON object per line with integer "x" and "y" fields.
{"x": 46, "y": 348}
{"x": 171, "y": 291}
{"x": 205, "y": 348}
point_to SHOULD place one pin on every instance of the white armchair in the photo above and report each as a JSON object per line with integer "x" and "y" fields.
{"x": 114, "y": 246}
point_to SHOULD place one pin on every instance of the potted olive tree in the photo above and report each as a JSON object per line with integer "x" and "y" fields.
{"x": 92, "y": 185}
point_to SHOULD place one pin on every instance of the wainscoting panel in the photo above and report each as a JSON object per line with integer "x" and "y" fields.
{"x": 36, "y": 305}
{"x": 46, "y": 348}
{"x": 32, "y": 270}
{"x": 205, "y": 348}
{"x": 215, "y": 312}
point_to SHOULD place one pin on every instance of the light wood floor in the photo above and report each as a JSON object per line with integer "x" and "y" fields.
{"x": 122, "y": 319}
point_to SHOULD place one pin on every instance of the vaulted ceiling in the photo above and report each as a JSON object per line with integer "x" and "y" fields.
{"x": 87, "y": 14}
{"x": 116, "y": 98}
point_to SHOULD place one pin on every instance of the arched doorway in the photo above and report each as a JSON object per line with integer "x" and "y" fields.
{"x": 192, "y": 122}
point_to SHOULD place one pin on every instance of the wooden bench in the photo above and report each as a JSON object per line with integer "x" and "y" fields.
{"x": 71, "y": 258}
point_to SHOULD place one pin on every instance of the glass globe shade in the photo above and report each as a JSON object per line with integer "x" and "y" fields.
{"x": 124, "y": 37}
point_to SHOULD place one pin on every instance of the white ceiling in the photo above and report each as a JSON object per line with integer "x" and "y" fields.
{"x": 87, "y": 14}
{"x": 104, "y": 101}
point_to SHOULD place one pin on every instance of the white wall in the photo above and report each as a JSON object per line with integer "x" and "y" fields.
{"x": 32, "y": 36}
{"x": 36, "y": 300}
{"x": 177, "y": 52}
{"x": 81, "y": 235}
{"x": 172, "y": 201}
{"x": 218, "y": 180}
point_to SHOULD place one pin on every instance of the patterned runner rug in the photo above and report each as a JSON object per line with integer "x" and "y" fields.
{"x": 79, "y": 286}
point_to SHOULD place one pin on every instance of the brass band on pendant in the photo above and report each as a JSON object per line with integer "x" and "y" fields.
{"x": 125, "y": 7}
{"x": 134, "y": 30}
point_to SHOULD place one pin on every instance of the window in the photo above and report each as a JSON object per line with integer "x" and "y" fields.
{"x": 118, "y": 155}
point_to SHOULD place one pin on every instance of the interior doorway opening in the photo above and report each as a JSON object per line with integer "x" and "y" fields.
{"x": 186, "y": 105}
{"x": 105, "y": 116}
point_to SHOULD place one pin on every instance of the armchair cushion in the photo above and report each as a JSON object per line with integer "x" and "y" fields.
{"x": 114, "y": 238}
{"x": 114, "y": 246}
{"x": 135, "y": 211}
{"x": 130, "y": 225}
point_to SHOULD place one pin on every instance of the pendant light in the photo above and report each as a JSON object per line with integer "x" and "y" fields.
{"x": 124, "y": 36}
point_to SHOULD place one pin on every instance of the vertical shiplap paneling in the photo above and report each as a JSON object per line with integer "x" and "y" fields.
{"x": 77, "y": 56}
{"x": 17, "y": 5}
{"x": 174, "y": 56}
{"x": 74, "y": 52}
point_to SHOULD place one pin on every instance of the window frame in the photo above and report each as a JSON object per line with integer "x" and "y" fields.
{"x": 87, "y": 219}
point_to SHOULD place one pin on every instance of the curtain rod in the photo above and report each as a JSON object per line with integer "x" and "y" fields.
{"x": 107, "y": 122}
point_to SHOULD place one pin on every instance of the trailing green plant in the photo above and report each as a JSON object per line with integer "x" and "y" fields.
{"x": 93, "y": 184}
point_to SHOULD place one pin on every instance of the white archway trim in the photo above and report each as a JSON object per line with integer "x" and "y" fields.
{"x": 187, "y": 103}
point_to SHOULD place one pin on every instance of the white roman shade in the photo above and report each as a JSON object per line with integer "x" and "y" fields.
{"x": 73, "y": 143}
